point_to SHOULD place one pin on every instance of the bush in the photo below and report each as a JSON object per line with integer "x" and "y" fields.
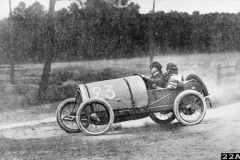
{"x": 63, "y": 82}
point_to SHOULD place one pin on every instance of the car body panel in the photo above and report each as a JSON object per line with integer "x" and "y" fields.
{"x": 128, "y": 92}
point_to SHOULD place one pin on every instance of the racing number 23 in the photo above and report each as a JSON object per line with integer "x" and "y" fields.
{"x": 110, "y": 94}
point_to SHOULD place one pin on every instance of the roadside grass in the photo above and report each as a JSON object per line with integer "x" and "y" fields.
{"x": 65, "y": 77}
{"x": 117, "y": 127}
{"x": 147, "y": 124}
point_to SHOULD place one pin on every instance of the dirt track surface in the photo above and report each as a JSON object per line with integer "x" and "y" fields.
{"x": 141, "y": 139}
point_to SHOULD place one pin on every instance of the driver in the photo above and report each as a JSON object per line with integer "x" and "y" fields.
{"x": 157, "y": 79}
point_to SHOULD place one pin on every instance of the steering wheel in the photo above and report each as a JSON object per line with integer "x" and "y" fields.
{"x": 143, "y": 77}
{"x": 147, "y": 81}
{"x": 137, "y": 74}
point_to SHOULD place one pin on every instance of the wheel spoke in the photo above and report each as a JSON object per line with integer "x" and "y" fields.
{"x": 68, "y": 119}
{"x": 191, "y": 108}
{"x": 94, "y": 118}
{"x": 65, "y": 111}
{"x": 163, "y": 117}
{"x": 66, "y": 115}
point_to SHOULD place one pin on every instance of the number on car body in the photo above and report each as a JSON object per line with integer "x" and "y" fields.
{"x": 110, "y": 94}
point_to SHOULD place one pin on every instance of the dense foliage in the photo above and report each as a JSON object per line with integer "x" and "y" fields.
{"x": 100, "y": 30}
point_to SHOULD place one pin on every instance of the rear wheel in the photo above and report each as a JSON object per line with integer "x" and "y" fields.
{"x": 95, "y": 117}
{"x": 189, "y": 107}
{"x": 162, "y": 117}
{"x": 66, "y": 115}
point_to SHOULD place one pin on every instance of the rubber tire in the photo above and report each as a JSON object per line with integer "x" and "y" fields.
{"x": 89, "y": 101}
{"x": 178, "y": 100}
{"x": 159, "y": 121}
{"x": 204, "y": 88}
{"x": 58, "y": 116}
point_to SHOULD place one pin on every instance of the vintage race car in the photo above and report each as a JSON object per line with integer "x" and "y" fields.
{"x": 100, "y": 104}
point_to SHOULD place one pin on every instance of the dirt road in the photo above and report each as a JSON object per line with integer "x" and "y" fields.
{"x": 141, "y": 139}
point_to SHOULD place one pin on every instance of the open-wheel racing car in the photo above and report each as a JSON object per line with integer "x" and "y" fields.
{"x": 98, "y": 105}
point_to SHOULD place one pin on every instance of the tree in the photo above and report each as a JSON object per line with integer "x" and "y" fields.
{"x": 12, "y": 53}
{"x": 151, "y": 33}
{"x": 50, "y": 51}
{"x": 29, "y": 28}
{"x": 4, "y": 41}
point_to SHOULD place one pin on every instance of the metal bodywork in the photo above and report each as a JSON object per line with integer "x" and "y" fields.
{"x": 163, "y": 99}
{"x": 99, "y": 104}
{"x": 128, "y": 92}
{"x": 129, "y": 98}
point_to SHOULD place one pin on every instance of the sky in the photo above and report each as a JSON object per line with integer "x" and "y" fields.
{"x": 204, "y": 6}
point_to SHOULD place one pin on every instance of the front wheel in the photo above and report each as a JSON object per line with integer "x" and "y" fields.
{"x": 189, "y": 107}
{"x": 66, "y": 115}
{"x": 95, "y": 116}
{"x": 162, "y": 117}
